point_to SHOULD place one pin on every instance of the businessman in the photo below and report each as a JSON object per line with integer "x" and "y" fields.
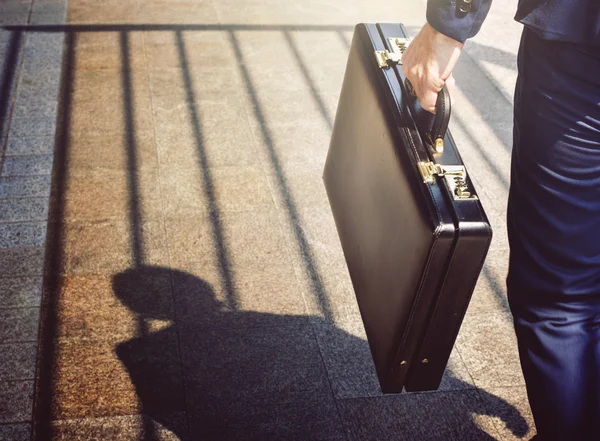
{"x": 554, "y": 200}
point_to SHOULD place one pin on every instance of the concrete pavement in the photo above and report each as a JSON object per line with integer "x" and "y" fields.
{"x": 194, "y": 285}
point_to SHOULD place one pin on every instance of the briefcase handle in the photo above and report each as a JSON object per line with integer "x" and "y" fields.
{"x": 436, "y": 130}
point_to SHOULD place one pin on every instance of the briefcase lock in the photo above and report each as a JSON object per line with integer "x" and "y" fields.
{"x": 455, "y": 176}
{"x": 387, "y": 58}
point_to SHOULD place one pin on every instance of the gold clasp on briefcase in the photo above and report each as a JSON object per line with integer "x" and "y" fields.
{"x": 386, "y": 58}
{"x": 455, "y": 176}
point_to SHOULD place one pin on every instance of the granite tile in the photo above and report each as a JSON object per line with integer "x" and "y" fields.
{"x": 510, "y": 408}
{"x": 107, "y": 246}
{"x": 14, "y": 17}
{"x": 472, "y": 82}
{"x": 30, "y": 165}
{"x": 103, "y": 117}
{"x": 30, "y": 146}
{"x": 109, "y": 11}
{"x": 488, "y": 346}
{"x": 117, "y": 109}
{"x": 31, "y": 234}
{"x": 490, "y": 291}
{"x": 426, "y": 416}
{"x": 245, "y": 238}
{"x": 17, "y": 361}
{"x": 178, "y": 12}
{"x": 313, "y": 420}
{"x": 16, "y": 401}
{"x": 108, "y": 377}
{"x": 112, "y": 153}
{"x": 97, "y": 307}
{"x": 95, "y": 195}
{"x": 320, "y": 264}
{"x": 47, "y": 54}
{"x": 15, "y": 432}
{"x": 103, "y": 50}
{"x": 20, "y": 292}
{"x": 19, "y": 325}
{"x": 230, "y": 369}
{"x": 21, "y": 262}
{"x": 32, "y": 127}
{"x": 39, "y": 40}
{"x": 24, "y": 186}
{"x": 301, "y": 187}
{"x": 178, "y": 144}
{"x": 36, "y": 107}
{"x": 46, "y": 79}
{"x": 48, "y": 13}
{"x": 215, "y": 51}
{"x": 209, "y": 297}
{"x": 23, "y": 210}
{"x": 185, "y": 191}
{"x": 347, "y": 358}
{"x": 206, "y": 80}
{"x": 170, "y": 427}
{"x": 288, "y": 146}
{"x": 29, "y": 90}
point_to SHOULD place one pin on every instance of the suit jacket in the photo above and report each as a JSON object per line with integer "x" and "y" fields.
{"x": 576, "y": 21}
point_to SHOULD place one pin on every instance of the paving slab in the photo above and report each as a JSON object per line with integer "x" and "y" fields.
{"x": 203, "y": 292}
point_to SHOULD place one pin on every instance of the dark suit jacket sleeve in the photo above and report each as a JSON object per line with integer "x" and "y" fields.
{"x": 446, "y": 17}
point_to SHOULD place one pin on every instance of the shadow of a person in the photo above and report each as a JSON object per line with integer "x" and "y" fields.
{"x": 205, "y": 373}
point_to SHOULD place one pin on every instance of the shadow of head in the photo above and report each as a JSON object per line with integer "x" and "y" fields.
{"x": 148, "y": 292}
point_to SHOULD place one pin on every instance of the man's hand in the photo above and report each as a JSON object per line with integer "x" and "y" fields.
{"x": 428, "y": 63}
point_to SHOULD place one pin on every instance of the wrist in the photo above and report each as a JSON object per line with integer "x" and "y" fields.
{"x": 439, "y": 38}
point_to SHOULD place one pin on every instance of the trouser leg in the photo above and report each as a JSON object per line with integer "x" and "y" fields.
{"x": 554, "y": 235}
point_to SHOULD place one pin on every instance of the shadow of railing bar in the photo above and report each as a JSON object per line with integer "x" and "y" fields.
{"x": 176, "y": 27}
{"x": 11, "y": 62}
{"x": 305, "y": 249}
{"x": 343, "y": 39}
{"x": 148, "y": 430}
{"x": 135, "y": 217}
{"x": 309, "y": 81}
{"x": 224, "y": 259}
{"x": 54, "y": 254}
{"x": 490, "y": 162}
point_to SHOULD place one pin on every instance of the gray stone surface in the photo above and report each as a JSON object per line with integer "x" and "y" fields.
{"x": 19, "y": 325}
{"x": 16, "y": 235}
{"x": 125, "y": 428}
{"x": 313, "y": 420}
{"x": 32, "y": 127}
{"x": 25, "y": 166}
{"x": 21, "y": 261}
{"x": 428, "y": 416}
{"x": 30, "y": 146}
{"x": 39, "y": 106}
{"x": 15, "y": 432}
{"x": 20, "y": 292}
{"x": 259, "y": 292}
{"x": 488, "y": 346}
{"x": 27, "y": 186}
{"x": 22, "y": 210}
{"x": 16, "y": 399}
{"x": 274, "y": 364}
{"x": 28, "y": 114}
{"x": 509, "y": 405}
{"x": 17, "y": 361}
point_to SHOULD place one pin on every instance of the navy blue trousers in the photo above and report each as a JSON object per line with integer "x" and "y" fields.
{"x": 554, "y": 234}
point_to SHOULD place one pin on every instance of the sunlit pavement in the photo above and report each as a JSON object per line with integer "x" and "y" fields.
{"x": 162, "y": 211}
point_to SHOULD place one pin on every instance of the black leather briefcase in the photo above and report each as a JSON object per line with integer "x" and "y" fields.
{"x": 412, "y": 228}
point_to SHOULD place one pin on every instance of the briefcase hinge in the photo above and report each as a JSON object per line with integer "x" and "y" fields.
{"x": 455, "y": 176}
{"x": 387, "y": 58}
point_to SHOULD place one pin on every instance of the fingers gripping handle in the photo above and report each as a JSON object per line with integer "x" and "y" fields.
{"x": 443, "y": 109}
